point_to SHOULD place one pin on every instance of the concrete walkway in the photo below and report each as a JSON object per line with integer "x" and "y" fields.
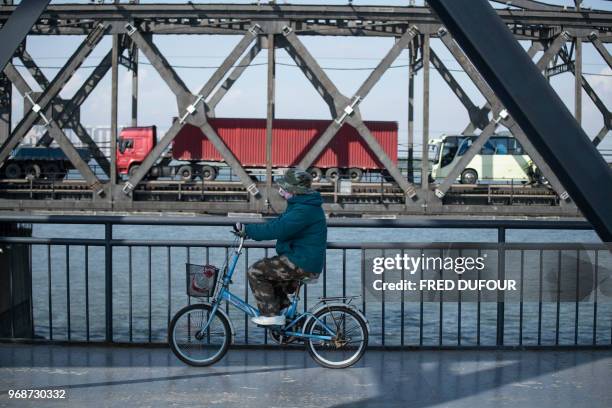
{"x": 133, "y": 377}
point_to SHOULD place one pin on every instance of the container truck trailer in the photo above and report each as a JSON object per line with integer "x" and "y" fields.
{"x": 193, "y": 155}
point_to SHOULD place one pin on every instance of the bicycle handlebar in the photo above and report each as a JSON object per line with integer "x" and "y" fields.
{"x": 240, "y": 242}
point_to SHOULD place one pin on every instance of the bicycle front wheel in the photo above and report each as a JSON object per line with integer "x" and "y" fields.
{"x": 349, "y": 340}
{"x": 195, "y": 346}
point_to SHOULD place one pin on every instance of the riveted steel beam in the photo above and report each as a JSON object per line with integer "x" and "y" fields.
{"x": 310, "y": 19}
{"x": 499, "y": 116}
{"x": 6, "y": 92}
{"x": 17, "y": 26}
{"x": 233, "y": 77}
{"x": 601, "y": 106}
{"x": 57, "y": 133}
{"x": 596, "y": 41}
{"x": 160, "y": 63}
{"x": 600, "y": 136}
{"x": 66, "y": 116}
{"x": 486, "y": 109}
{"x": 195, "y": 112}
{"x": 425, "y": 51}
{"x": 348, "y": 111}
{"x": 478, "y": 117}
{"x": 314, "y": 73}
{"x": 73, "y": 63}
{"x": 531, "y": 5}
{"x": 535, "y": 106}
{"x": 32, "y": 67}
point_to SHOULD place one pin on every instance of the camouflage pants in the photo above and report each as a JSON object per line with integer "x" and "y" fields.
{"x": 271, "y": 280}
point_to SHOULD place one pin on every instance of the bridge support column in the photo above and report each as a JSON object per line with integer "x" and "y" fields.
{"x": 6, "y": 94}
{"x": 15, "y": 285}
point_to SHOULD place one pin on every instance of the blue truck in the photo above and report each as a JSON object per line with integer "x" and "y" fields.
{"x": 40, "y": 162}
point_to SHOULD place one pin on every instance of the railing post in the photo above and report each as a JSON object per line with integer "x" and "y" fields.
{"x": 501, "y": 275}
{"x": 108, "y": 279}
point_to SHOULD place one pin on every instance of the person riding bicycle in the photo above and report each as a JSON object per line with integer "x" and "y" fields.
{"x": 301, "y": 239}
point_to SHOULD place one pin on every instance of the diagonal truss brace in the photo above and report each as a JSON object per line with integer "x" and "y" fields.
{"x": 55, "y": 130}
{"x": 478, "y": 116}
{"x": 45, "y": 99}
{"x": 344, "y": 109}
{"x": 232, "y": 78}
{"x": 66, "y": 117}
{"x": 34, "y": 70}
{"x": 601, "y": 106}
{"x": 500, "y": 115}
{"x": 192, "y": 108}
{"x": 470, "y": 128}
{"x": 594, "y": 37}
{"x": 16, "y": 28}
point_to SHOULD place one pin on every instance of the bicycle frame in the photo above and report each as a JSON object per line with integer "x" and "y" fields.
{"x": 224, "y": 294}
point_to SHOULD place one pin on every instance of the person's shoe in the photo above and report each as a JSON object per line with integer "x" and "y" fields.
{"x": 269, "y": 320}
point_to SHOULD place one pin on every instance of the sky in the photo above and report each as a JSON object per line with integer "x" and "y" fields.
{"x": 295, "y": 97}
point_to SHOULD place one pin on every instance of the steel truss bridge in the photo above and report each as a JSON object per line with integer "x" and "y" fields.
{"x": 559, "y": 33}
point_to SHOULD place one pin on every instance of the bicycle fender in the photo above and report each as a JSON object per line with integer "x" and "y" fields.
{"x": 232, "y": 328}
{"x": 323, "y": 306}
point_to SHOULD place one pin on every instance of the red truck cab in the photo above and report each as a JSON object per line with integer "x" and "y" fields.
{"x": 133, "y": 146}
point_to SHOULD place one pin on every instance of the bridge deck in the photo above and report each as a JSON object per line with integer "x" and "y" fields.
{"x": 121, "y": 376}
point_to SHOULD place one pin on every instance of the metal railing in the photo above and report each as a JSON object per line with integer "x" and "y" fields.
{"x": 127, "y": 290}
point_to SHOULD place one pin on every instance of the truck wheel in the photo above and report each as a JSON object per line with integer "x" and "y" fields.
{"x": 209, "y": 173}
{"x": 12, "y": 171}
{"x": 469, "y": 176}
{"x": 32, "y": 170}
{"x": 185, "y": 173}
{"x": 133, "y": 170}
{"x": 332, "y": 174}
{"x": 51, "y": 171}
{"x": 315, "y": 173}
{"x": 355, "y": 174}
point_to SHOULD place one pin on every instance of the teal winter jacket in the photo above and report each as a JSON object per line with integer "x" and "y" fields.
{"x": 300, "y": 232}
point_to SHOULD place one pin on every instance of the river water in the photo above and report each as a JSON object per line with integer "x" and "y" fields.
{"x": 158, "y": 291}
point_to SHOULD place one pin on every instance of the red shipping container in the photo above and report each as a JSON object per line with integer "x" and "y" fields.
{"x": 291, "y": 140}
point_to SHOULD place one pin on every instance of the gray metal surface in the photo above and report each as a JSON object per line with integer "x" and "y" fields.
{"x": 52, "y": 91}
{"x": 314, "y": 19}
{"x": 412, "y": 222}
{"x": 493, "y": 104}
{"x": 537, "y": 21}
{"x": 17, "y": 26}
{"x": 534, "y": 105}
{"x": 289, "y": 378}
{"x": 56, "y": 132}
{"x": 192, "y": 108}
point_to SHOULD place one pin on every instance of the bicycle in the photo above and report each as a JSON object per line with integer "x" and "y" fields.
{"x": 334, "y": 330}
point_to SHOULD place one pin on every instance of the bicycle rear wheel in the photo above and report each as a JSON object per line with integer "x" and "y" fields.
{"x": 349, "y": 342}
{"x": 194, "y": 346}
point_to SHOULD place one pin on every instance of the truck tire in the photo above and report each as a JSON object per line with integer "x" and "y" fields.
{"x": 12, "y": 171}
{"x": 316, "y": 173}
{"x": 209, "y": 173}
{"x": 469, "y": 176}
{"x": 32, "y": 170}
{"x": 133, "y": 169}
{"x": 355, "y": 174}
{"x": 185, "y": 173}
{"x": 332, "y": 174}
{"x": 51, "y": 171}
